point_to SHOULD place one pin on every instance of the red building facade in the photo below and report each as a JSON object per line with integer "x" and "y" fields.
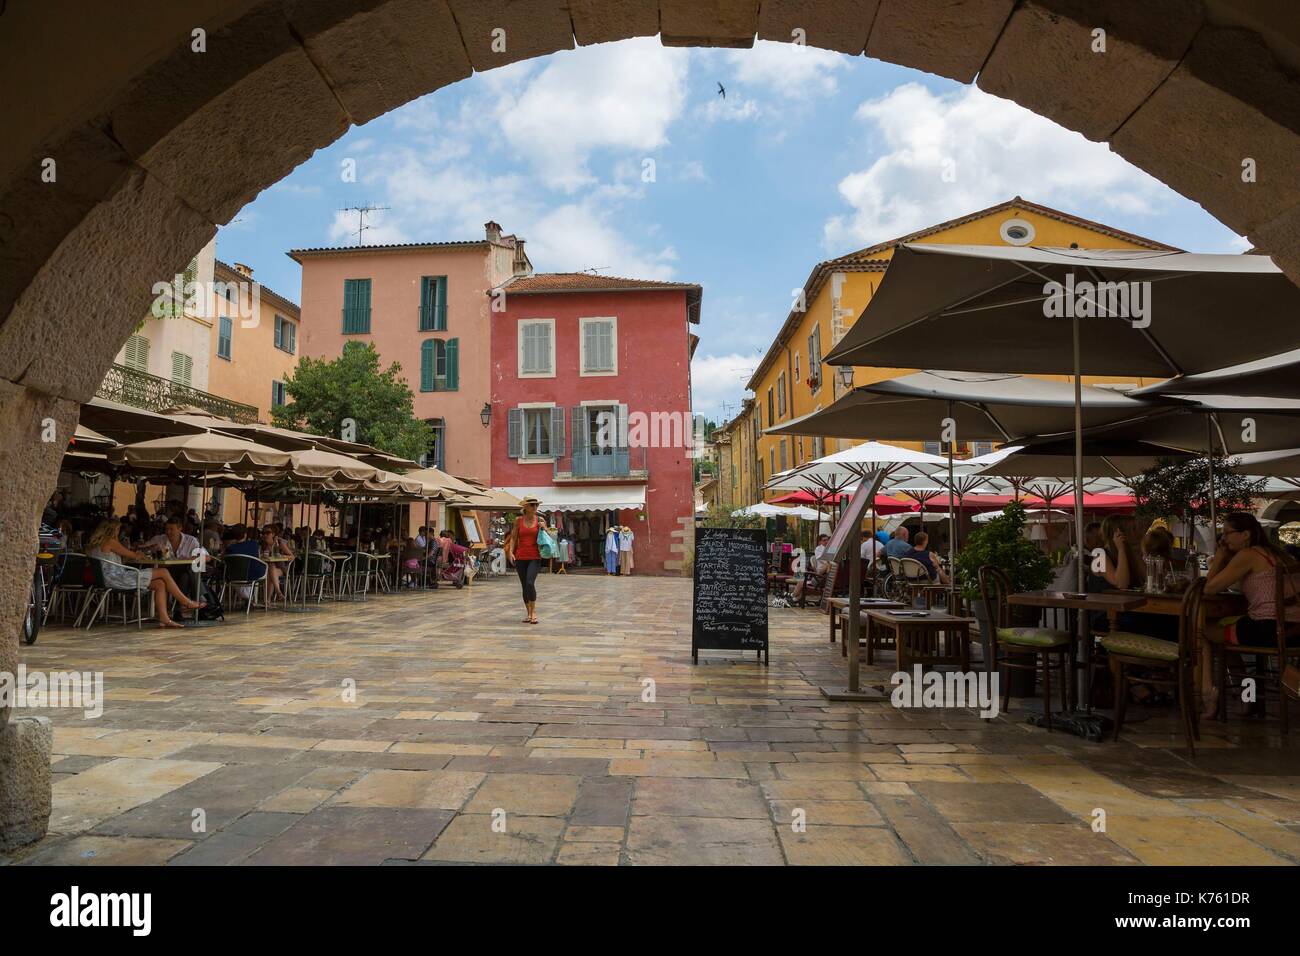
{"x": 591, "y": 409}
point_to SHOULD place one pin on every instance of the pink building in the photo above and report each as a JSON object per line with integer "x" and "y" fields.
{"x": 591, "y": 408}
{"x": 426, "y": 306}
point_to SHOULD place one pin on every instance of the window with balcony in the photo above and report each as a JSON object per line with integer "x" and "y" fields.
{"x": 440, "y": 365}
{"x": 599, "y": 346}
{"x": 433, "y": 303}
{"x": 356, "y": 306}
{"x": 182, "y": 368}
{"x": 135, "y": 354}
{"x": 537, "y": 348}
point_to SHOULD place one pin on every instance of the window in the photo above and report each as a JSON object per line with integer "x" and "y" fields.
{"x": 981, "y": 448}
{"x": 279, "y": 395}
{"x": 771, "y": 459}
{"x": 433, "y": 303}
{"x": 286, "y": 335}
{"x": 797, "y": 377}
{"x": 135, "y": 355}
{"x": 182, "y": 368}
{"x": 784, "y": 466}
{"x": 818, "y": 448}
{"x": 771, "y": 409}
{"x": 356, "y": 306}
{"x": 440, "y": 365}
{"x": 535, "y": 431}
{"x": 815, "y": 358}
{"x": 437, "y": 454}
{"x": 933, "y": 448}
{"x": 599, "y": 346}
{"x": 225, "y": 328}
{"x": 780, "y": 395}
{"x": 537, "y": 348}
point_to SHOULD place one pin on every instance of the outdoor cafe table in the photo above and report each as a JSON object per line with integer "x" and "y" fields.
{"x": 839, "y": 607}
{"x": 1109, "y": 603}
{"x": 924, "y": 637}
{"x": 175, "y": 563}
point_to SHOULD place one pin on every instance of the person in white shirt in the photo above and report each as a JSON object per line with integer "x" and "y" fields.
{"x": 820, "y": 567}
{"x": 173, "y": 541}
{"x": 871, "y": 549}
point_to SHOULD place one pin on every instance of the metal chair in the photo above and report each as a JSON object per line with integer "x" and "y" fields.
{"x": 105, "y": 593}
{"x": 241, "y": 572}
{"x": 70, "y": 587}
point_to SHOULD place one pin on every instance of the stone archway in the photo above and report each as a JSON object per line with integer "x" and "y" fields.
{"x": 154, "y": 133}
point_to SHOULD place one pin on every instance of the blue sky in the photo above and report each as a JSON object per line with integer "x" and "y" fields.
{"x": 811, "y": 155}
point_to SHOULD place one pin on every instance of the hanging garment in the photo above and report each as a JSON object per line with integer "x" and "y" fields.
{"x": 611, "y": 551}
{"x": 625, "y": 550}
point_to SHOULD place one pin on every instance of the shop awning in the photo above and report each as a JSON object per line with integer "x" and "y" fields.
{"x": 584, "y": 497}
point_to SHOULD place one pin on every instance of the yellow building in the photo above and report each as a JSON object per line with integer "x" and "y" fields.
{"x": 738, "y": 484}
{"x": 792, "y": 381}
{"x": 254, "y": 342}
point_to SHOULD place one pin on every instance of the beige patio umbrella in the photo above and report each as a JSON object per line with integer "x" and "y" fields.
{"x": 447, "y": 484}
{"x": 202, "y": 452}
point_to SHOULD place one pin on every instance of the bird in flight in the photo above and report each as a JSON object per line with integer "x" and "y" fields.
{"x": 722, "y": 91}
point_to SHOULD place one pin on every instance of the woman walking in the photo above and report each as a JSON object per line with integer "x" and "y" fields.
{"x": 521, "y": 548}
{"x": 104, "y": 547}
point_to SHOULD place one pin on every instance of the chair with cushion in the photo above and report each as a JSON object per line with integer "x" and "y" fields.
{"x": 1022, "y": 648}
{"x": 1142, "y": 659}
{"x": 1266, "y": 677}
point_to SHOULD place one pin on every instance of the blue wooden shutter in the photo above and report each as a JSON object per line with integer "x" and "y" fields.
{"x": 426, "y": 365}
{"x": 620, "y": 440}
{"x": 557, "y": 432}
{"x": 453, "y": 365}
{"x": 514, "y": 432}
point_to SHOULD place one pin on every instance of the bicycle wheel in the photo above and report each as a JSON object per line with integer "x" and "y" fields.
{"x": 35, "y": 615}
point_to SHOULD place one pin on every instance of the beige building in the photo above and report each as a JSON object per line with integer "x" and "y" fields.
{"x": 253, "y": 343}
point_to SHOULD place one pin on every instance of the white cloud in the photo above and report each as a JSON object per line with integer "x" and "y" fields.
{"x": 579, "y": 236}
{"x": 622, "y": 97}
{"x": 379, "y": 230}
{"x": 993, "y": 150}
{"x": 716, "y": 379}
{"x": 787, "y": 69}
{"x": 733, "y": 109}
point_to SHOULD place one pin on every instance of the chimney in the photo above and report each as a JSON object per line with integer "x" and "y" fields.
{"x": 243, "y": 270}
{"x": 493, "y": 231}
{"x": 521, "y": 264}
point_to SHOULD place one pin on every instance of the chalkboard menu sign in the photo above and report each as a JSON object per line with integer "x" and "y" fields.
{"x": 729, "y": 606}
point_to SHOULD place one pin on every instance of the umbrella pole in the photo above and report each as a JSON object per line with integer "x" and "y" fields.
{"x": 424, "y": 576}
{"x": 302, "y": 606}
{"x": 1084, "y": 680}
{"x": 1214, "y": 505}
{"x": 952, "y": 531}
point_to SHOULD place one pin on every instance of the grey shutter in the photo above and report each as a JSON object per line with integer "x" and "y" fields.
{"x": 557, "y": 432}
{"x": 528, "y": 342}
{"x": 621, "y": 439}
{"x": 580, "y": 440}
{"x": 514, "y": 432}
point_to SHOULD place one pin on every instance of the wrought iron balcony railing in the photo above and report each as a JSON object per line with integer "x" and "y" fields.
{"x": 132, "y": 387}
{"x": 587, "y": 463}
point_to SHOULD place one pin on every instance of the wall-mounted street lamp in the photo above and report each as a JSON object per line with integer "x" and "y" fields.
{"x": 485, "y": 416}
{"x": 846, "y": 375}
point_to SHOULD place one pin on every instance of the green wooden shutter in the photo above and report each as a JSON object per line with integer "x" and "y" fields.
{"x": 356, "y": 306}
{"x": 514, "y": 432}
{"x": 426, "y": 365}
{"x": 453, "y": 365}
{"x": 427, "y": 323}
{"x": 441, "y": 313}
{"x": 136, "y": 354}
{"x": 182, "y": 368}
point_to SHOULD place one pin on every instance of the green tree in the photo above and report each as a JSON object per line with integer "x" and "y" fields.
{"x": 1180, "y": 488}
{"x": 322, "y": 393}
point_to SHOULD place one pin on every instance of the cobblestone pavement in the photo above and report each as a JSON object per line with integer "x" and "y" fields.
{"x": 474, "y": 738}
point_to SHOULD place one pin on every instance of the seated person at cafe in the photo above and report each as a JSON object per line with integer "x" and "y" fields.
{"x": 920, "y": 551}
{"x": 899, "y": 545}
{"x": 817, "y": 569}
{"x": 173, "y": 542}
{"x": 271, "y": 547}
{"x": 247, "y": 544}
{"x": 1247, "y": 558}
{"x": 453, "y": 560}
{"x": 872, "y": 549}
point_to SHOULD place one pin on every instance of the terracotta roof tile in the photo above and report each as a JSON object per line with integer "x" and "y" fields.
{"x": 587, "y": 281}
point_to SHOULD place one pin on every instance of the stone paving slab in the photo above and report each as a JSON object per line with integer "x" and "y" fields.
{"x": 473, "y": 739}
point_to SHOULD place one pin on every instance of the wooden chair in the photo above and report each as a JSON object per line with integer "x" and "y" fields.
{"x": 1160, "y": 663}
{"x": 1266, "y": 677}
{"x": 1010, "y": 645}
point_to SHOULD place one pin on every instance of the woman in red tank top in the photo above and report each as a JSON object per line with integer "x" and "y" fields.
{"x": 521, "y": 548}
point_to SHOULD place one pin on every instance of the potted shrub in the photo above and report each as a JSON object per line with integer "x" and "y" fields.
{"x": 1001, "y": 542}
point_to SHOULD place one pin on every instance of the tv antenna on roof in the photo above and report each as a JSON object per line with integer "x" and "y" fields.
{"x": 361, "y": 216}
{"x": 594, "y": 269}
